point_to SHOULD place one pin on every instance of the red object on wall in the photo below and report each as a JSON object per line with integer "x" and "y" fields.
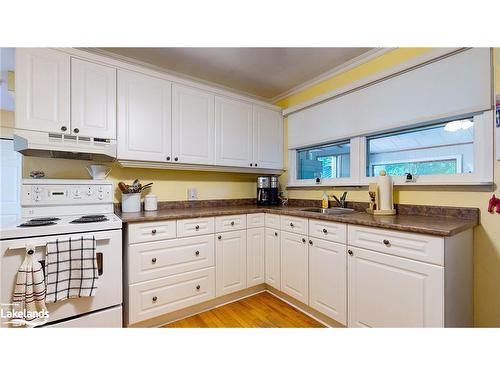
{"x": 494, "y": 202}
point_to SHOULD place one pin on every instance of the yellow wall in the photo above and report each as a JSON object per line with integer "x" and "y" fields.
{"x": 168, "y": 185}
{"x": 486, "y": 235}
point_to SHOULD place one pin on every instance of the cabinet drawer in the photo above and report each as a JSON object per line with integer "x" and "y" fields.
{"x": 232, "y": 222}
{"x": 195, "y": 227}
{"x": 147, "y": 261}
{"x": 294, "y": 224}
{"x": 328, "y": 230}
{"x": 255, "y": 220}
{"x": 273, "y": 221}
{"x": 154, "y": 298}
{"x": 420, "y": 247}
{"x": 151, "y": 231}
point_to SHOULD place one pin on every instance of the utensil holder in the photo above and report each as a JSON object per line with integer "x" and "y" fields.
{"x": 131, "y": 202}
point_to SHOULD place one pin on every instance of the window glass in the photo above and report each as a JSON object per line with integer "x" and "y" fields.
{"x": 445, "y": 148}
{"x": 326, "y": 161}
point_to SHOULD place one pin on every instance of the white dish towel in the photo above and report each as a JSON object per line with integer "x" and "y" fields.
{"x": 29, "y": 292}
{"x": 71, "y": 269}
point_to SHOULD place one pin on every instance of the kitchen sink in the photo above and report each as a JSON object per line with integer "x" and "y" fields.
{"x": 330, "y": 211}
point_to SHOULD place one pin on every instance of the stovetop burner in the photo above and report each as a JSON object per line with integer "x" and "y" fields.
{"x": 37, "y": 223}
{"x": 89, "y": 219}
{"x": 44, "y": 219}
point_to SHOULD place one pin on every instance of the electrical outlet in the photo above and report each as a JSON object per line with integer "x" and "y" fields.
{"x": 192, "y": 194}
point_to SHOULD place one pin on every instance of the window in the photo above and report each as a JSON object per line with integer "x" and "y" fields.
{"x": 444, "y": 148}
{"x": 325, "y": 162}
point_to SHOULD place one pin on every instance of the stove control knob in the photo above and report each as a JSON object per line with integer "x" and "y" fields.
{"x": 99, "y": 189}
{"x": 37, "y": 197}
{"x": 100, "y": 196}
{"x": 76, "y": 193}
{"x": 89, "y": 192}
{"x": 37, "y": 189}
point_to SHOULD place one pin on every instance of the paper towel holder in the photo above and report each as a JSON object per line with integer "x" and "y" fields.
{"x": 374, "y": 203}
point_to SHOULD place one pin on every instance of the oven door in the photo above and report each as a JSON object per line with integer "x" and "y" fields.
{"x": 109, "y": 259}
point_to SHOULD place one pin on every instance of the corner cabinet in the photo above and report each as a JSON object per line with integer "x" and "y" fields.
{"x": 267, "y": 138}
{"x": 144, "y": 117}
{"x": 42, "y": 90}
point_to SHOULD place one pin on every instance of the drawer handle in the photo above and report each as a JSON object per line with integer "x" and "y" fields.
{"x": 276, "y": 234}
{"x": 153, "y": 260}
{"x": 198, "y": 287}
{"x": 197, "y": 227}
{"x": 232, "y": 223}
{"x": 196, "y": 253}
{"x": 386, "y": 242}
{"x": 153, "y": 231}
{"x": 291, "y": 224}
{"x": 310, "y": 242}
{"x": 325, "y": 231}
{"x": 219, "y": 238}
{"x": 350, "y": 252}
{"x": 304, "y": 240}
{"x": 155, "y": 299}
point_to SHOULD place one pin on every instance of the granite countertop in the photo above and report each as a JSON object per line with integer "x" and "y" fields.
{"x": 433, "y": 225}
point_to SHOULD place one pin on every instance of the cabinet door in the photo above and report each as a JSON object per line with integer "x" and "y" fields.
{"x": 93, "y": 99}
{"x": 327, "y": 278}
{"x": 389, "y": 291}
{"x": 294, "y": 266}
{"x": 273, "y": 258}
{"x": 267, "y": 138}
{"x": 193, "y": 126}
{"x": 42, "y": 90}
{"x": 144, "y": 117}
{"x": 233, "y": 132}
{"x": 255, "y": 256}
{"x": 231, "y": 261}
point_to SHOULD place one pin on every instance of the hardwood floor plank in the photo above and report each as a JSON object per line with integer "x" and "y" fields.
{"x": 262, "y": 310}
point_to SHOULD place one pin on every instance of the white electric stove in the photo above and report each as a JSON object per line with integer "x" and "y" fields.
{"x": 62, "y": 209}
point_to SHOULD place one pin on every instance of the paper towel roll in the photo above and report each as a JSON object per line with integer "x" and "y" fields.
{"x": 385, "y": 191}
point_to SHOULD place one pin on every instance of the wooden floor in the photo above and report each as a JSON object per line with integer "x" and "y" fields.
{"x": 262, "y": 310}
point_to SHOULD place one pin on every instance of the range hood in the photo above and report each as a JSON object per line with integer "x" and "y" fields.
{"x": 40, "y": 144}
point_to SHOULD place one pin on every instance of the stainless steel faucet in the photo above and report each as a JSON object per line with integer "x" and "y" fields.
{"x": 342, "y": 201}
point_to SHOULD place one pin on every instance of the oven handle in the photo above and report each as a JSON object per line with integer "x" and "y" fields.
{"x": 24, "y": 245}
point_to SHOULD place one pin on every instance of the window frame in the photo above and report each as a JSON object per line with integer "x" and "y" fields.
{"x": 483, "y": 160}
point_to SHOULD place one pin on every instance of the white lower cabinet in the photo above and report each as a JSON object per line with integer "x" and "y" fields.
{"x": 294, "y": 266}
{"x": 328, "y": 278}
{"x": 231, "y": 262}
{"x": 389, "y": 291}
{"x": 255, "y": 256}
{"x": 273, "y": 258}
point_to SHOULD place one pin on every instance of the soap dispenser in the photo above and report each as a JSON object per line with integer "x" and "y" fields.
{"x": 324, "y": 200}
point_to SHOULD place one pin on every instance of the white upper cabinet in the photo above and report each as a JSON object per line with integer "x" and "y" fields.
{"x": 93, "y": 99}
{"x": 233, "y": 132}
{"x": 193, "y": 126}
{"x": 267, "y": 138}
{"x": 42, "y": 90}
{"x": 144, "y": 117}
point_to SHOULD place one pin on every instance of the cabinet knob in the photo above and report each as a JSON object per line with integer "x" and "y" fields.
{"x": 386, "y": 242}
{"x": 325, "y": 231}
{"x": 304, "y": 240}
{"x": 251, "y": 164}
{"x": 153, "y": 231}
{"x": 153, "y": 260}
{"x": 76, "y": 131}
{"x": 64, "y": 128}
{"x": 198, "y": 287}
{"x": 197, "y": 227}
{"x": 255, "y": 164}
{"x": 219, "y": 237}
{"x": 196, "y": 253}
{"x": 350, "y": 252}
{"x": 310, "y": 242}
{"x": 291, "y": 224}
{"x": 155, "y": 299}
{"x": 232, "y": 223}
{"x": 168, "y": 158}
{"x": 276, "y": 234}
{"x": 176, "y": 158}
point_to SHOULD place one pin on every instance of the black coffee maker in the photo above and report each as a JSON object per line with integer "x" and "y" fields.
{"x": 263, "y": 191}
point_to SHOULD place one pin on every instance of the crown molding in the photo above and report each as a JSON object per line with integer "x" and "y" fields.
{"x": 348, "y": 65}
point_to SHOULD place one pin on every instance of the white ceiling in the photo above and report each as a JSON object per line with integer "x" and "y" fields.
{"x": 261, "y": 72}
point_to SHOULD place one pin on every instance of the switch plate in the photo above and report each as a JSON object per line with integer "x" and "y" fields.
{"x": 192, "y": 194}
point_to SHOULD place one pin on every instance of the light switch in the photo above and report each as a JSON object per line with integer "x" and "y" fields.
{"x": 192, "y": 194}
